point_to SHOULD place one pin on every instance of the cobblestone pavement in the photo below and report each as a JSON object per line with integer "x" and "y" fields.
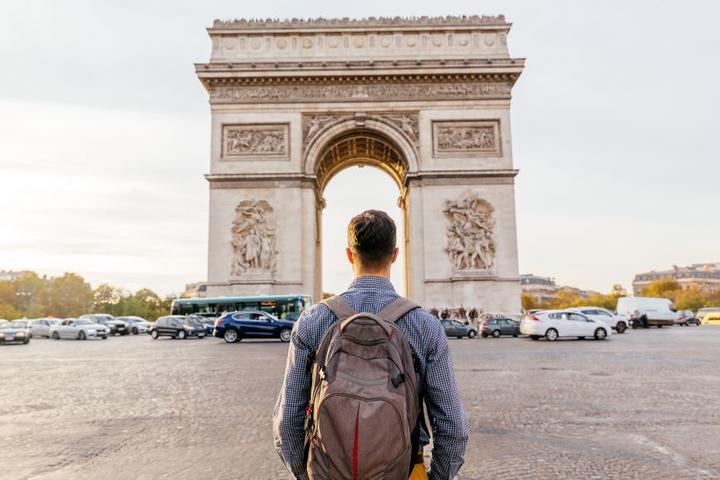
{"x": 642, "y": 405}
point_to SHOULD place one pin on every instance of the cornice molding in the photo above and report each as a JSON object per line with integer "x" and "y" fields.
{"x": 367, "y": 22}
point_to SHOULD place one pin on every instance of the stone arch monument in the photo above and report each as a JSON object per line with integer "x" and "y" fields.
{"x": 426, "y": 99}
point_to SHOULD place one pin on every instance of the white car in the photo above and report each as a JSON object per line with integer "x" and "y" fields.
{"x": 554, "y": 324}
{"x": 619, "y": 323}
{"x": 135, "y": 325}
{"x": 78, "y": 328}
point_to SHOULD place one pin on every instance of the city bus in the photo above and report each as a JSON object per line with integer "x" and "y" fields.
{"x": 286, "y": 307}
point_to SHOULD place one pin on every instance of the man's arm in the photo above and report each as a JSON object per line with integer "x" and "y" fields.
{"x": 448, "y": 418}
{"x": 289, "y": 413}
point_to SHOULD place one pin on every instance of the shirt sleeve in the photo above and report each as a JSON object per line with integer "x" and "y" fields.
{"x": 449, "y": 421}
{"x": 289, "y": 413}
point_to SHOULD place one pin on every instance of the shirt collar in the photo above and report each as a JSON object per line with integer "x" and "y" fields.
{"x": 375, "y": 282}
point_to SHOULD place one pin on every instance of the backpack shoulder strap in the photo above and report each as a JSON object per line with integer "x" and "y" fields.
{"x": 339, "y": 307}
{"x": 397, "y": 309}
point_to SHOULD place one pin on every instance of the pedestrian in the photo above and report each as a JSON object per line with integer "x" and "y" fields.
{"x": 349, "y": 434}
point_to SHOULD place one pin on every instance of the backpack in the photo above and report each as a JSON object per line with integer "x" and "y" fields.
{"x": 362, "y": 421}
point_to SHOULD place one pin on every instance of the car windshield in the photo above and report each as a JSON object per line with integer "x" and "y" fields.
{"x": 83, "y": 321}
{"x": 19, "y": 324}
{"x": 193, "y": 322}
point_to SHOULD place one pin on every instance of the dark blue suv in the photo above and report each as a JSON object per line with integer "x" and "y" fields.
{"x": 234, "y": 326}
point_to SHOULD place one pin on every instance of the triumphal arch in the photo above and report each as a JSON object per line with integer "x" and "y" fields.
{"x": 426, "y": 99}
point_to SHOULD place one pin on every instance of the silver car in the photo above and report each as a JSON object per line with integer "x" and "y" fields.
{"x": 17, "y": 331}
{"x": 78, "y": 328}
{"x": 40, "y": 327}
{"x": 136, "y": 325}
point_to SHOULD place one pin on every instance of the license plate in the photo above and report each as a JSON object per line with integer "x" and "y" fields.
{"x": 10, "y": 338}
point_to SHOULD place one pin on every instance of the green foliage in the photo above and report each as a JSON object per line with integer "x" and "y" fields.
{"x": 67, "y": 296}
{"x": 70, "y": 295}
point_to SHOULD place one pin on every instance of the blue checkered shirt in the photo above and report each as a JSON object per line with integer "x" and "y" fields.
{"x": 427, "y": 338}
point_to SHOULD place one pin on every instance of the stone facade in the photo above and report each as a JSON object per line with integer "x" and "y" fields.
{"x": 426, "y": 99}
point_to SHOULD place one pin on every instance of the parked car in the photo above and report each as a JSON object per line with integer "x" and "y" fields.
{"x": 704, "y": 311}
{"x": 135, "y": 325}
{"x": 686, "y": 318}
{"x": 712, "y": 318}
{"x": 177, "y": 326}
{"x": 234, "y": 326}
{"x": 453, "y": 328}
{"x": 117, "y": 327}
{"x": 79, "y": 328}
{"x": 208, "y": 322}
{"x": 14, "y": 332}
{"x": 40, "y": 327}
{"x": 500, "y": 326}
{"x": 647, "y": 311}
{"x": 554, "y": 324}
{"x": 617, "y": 322}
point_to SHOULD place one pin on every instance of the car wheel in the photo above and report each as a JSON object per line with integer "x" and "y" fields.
{"x": 515, "y": 335}
{"x": 551, "y": 335}
{"x": 135, "y": 331}
{"x": 484, "y": 335}
{"x": 181, "y": 335}
{"x": 56, "y": 336}
{"x": 201, "y": 336}
{"x": 154, "y": 334}
{"x": 81, "y": 335}
{"x": 26, "y": 341}
{"x": 472, "y": 334}
{"x": 660, "y": 326}
{"x": 231, "y": 335}
{"x": 621, "y": 327}
{"x": 285, "y": 335}
{"x": 104, "y": 337}
{"x": 600, "y": 334}
{"x": 496, "y": 333}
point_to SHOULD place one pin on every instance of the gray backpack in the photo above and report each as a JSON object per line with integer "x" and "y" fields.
{"x": 362, "y": 419}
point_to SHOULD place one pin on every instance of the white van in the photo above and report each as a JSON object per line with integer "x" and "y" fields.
{"x": 647, "y": 311}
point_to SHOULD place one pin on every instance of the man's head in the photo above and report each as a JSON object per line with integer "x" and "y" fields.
{"x": 371, "y": 243}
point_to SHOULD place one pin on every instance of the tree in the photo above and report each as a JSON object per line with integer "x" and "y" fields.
{"x": 8, "y": 312}
{"x": 663, "y": 288}
{"x": 106, "y": 299}
{"x": 29, "y": 288}
{"x": 68, "y": 295}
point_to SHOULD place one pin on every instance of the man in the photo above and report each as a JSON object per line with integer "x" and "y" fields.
{"x": 371, "y": 251}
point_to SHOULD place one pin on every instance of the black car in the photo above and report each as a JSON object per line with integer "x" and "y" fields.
{"x": 453, "y": 328}
{"x": 116, "y": 326}
{"x": 234, "y": 326}
{"x": 500, "y": 326}
{"x": 177, "y": 326}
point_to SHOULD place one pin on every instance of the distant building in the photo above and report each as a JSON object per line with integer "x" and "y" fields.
{"x": 540, "y": 289}
{"x": 544, "y": 289}
{"x": 703, "y": 275}
{"x": 12, "y": 275}
{"x": 195, "y": 290}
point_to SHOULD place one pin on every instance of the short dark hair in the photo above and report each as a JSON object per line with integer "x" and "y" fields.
{"x": 371, "y": 238}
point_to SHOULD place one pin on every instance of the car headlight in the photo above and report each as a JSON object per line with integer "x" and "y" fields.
{"x": 20, "y": 334}
{"x": 2, "y": 335}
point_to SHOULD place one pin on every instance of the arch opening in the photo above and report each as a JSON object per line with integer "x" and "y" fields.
{"x": 353, "y": 191}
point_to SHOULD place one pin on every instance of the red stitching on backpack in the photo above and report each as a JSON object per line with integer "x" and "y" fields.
{"x": 355, "y": 446}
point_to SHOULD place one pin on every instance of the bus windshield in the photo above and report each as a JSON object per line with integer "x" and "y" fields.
{"x": 285, "y": 307}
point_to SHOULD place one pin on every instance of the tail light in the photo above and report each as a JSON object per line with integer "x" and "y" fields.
{"x": 534, "y": 318}
{"x": 218, "y": 321}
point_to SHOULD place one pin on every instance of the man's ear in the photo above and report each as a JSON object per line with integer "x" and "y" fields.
{"x": 349, "y": 254}
{"x": 394, "y": 255}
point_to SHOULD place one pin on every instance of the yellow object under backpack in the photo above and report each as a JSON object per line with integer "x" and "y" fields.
{"x": 418, "y": 472}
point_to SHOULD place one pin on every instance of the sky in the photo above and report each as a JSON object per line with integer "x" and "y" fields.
{"x": 104, "y": 136}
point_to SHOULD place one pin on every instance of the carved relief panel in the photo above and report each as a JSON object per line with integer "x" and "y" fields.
{"x": 470, "y": 233}
{"x": 253, "y": 238}
{"x": 473, "y": 137}
{"x": 269, "y": 140}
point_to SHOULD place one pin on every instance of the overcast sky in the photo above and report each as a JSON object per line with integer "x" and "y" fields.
{"x": 104, "y": 136}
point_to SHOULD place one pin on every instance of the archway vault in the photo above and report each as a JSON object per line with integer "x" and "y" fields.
{"x": 360, "y": 147}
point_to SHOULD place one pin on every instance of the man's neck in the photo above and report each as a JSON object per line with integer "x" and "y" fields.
{"x": 365, "y": 273}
